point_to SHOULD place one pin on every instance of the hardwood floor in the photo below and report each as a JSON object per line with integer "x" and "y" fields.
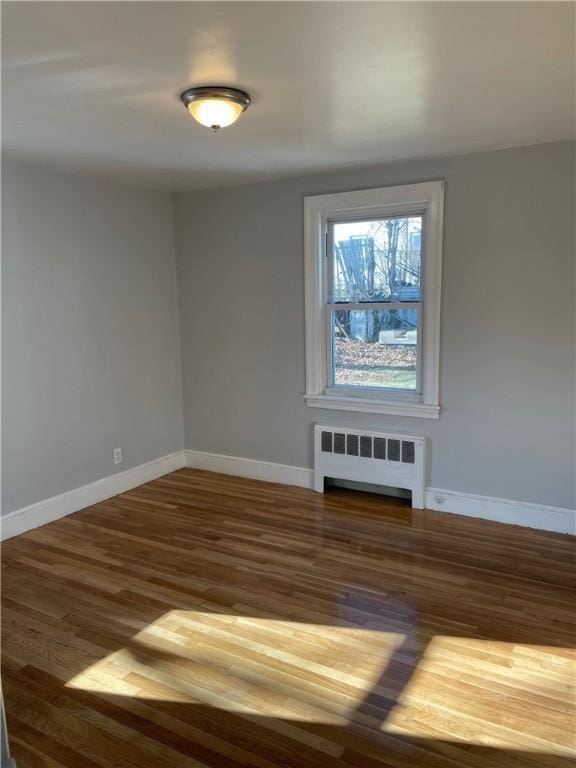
{"x": 205, "y": 620}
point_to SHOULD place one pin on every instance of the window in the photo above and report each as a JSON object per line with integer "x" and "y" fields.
{"x": 373, "y": 266}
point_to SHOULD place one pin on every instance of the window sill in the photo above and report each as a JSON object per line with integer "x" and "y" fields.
{"x": 362, "y": 405}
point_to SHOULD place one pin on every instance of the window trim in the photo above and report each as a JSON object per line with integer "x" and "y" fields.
{"x": 427, "y": 198}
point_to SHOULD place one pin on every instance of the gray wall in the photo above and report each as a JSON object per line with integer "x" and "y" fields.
{"x": 507, "y": 358}
{"x": 90, "y": 332}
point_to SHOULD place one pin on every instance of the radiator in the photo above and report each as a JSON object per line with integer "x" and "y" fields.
{"x": 382, "y": 458}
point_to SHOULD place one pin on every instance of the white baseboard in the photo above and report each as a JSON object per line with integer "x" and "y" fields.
{"x": 523, "y": 513}
{"x": 257, "y": 470}
{"x": 27, "y": 518}
{"x": 486, "y": 507}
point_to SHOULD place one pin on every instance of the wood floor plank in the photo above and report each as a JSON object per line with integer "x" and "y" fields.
{"x": 207, "y": 621}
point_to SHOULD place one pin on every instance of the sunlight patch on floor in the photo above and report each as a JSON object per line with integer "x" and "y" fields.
{"x": 448, "y": 688}
{"x": 268, "y": 667}
{"x": 456, "y": 691}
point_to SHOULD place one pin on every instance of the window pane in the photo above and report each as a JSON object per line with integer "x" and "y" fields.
{"x": 376, "y": 260}
{"x": 375, "y": 348}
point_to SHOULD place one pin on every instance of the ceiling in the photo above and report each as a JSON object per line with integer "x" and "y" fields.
{"x": 93, "y": 87}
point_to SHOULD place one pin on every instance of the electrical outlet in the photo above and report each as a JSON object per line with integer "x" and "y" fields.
{"x": 117, "y": 455}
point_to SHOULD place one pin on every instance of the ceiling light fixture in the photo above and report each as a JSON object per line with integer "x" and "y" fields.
{"x": 215, "y": 106}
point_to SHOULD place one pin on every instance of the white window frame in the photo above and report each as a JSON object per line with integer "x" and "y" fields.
{"x": 426, "y": 199}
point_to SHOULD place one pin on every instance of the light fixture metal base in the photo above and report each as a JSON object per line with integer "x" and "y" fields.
{"x": 215, "y": 92}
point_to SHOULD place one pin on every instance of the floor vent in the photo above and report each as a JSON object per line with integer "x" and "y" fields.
{"x": 397, "y": 461}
